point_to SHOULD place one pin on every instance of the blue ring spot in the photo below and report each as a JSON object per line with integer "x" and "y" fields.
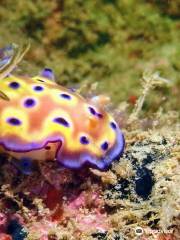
{"x": 65, "y": 96}
{"x": 92, "y": 110}
{"x": 113, "y": 125}
{"x": 105, "y": 146}
{"x": 29, "y": 103}
{"x": 14, "y": 85}
{"x": 84, "y": 140}
{"x": 14, "y": 121}
{"x": 99, "y": 115}
{"x": 61, "y": 121}
{"x": 38, "y": 88}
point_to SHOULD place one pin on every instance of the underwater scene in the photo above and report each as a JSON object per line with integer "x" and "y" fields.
{"x": 89, "y": 120}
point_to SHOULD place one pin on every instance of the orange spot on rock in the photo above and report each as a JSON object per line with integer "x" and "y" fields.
{"x": 58, "y": 214}
{"x": 53, "y": 198}
{"x": 132, "y": 99}
{"x": 54, "y": 202}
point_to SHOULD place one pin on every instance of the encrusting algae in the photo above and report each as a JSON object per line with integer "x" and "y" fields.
{"x": 136, "y": 198}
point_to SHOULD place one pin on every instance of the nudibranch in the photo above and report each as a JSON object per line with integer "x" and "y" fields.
{"x": 42, "y": 120}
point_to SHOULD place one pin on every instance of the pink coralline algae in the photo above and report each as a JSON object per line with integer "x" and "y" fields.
{"x": 3, "y": 222}
{"x": 86, "y": 210}
{"x": 96, "y": 217}
{"x": 4, "y": 236}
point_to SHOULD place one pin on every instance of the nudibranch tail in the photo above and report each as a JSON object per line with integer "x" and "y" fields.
{"x": 6, "y": 54}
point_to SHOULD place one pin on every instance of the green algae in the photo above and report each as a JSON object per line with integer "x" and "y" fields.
{"x": 109, "y": 42}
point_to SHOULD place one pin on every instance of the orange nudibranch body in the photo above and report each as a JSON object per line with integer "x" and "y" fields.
{"x": 44, "y": 121}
